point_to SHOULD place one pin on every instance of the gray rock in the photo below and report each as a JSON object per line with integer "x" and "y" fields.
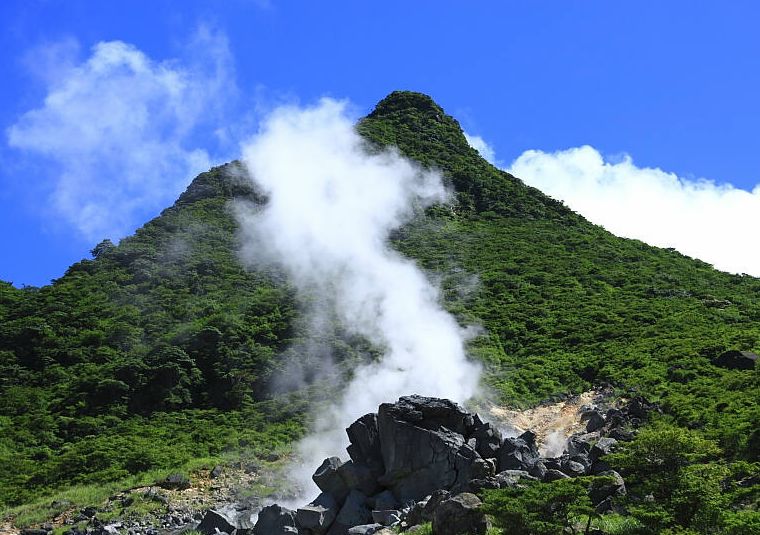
{"x": 215, "y": 520}
{"x": 428, "y": 413}
{"x": 611, "y": 486}
{"x": 488, "y": 439}
{"x": 603, "y": 446}
{"x": 578, "y": 445}
{"x": 328, "y": 479}
{"x": 511, "y": 478}
{"x": 422, "y": 511}
{"x": 736, "y": 360}
{"x": 460, "y": 515}
{"x": 175, "y": 482}
{"x": 383, "y": 501}
{"x": 216, "y": 471}
{"x": 538, "y": 470}
{"x": 275, "y": 520}
{"x": 419, "y": 460}
{"x": 318, "y": 515}
{"x": 365, "y": 529}
{"x": 359, "y": 477}
{"x": 573, "y": 468}
{"x": 364, "y": 449}
{"x": 553, "y": 475}
{"x": 594, "y": 421}
{"x": 387, "y": 517}
{"x": 353, "y": 513}
{"x": 518, "y": 453}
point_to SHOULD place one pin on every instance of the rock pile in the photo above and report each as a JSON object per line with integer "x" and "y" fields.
{"x": 422, "y": 459}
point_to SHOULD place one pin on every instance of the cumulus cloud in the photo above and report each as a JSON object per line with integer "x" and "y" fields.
{"x": 480, "y": 145}
{"x": 332, "y": 204}
{"x": 117, "y": 128}
{"x": 714, "y": 222}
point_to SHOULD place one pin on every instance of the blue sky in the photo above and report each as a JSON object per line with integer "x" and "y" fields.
{"x": 672, "y": 85}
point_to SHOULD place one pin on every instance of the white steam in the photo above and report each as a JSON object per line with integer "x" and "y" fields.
{"x": 331, "y": 207}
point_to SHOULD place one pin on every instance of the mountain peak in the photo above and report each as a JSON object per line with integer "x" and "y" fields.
{"x": 399, "y": 101}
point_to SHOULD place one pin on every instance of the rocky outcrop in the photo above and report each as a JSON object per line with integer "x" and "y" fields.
{"x": 460, "y": 515}
{"x": 419, "y": 460}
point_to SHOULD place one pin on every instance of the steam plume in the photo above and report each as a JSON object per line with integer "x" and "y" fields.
{"x": 332, "y": 204}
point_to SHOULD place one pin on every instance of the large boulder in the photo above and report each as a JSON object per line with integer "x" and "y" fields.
{"x": 427, "y": 413}
{"x": 275, "y": 520}
{"x": 609, "y": 485}
{"x": 423, "y": 510}
{"x": 318, "y": 515}
{"x": 358, "y": 476}
{"x": 328, "y": 479}
{"x": 488, "y": 439}
{"x": 460, "y": 515}
{"x": 518, "y": 453}
{"x": 353, "y": 513}
{"x": 424, "y": 447}
{"x": 217, "y": 520}
{"x": 364, "y": 447}
{"x": 736, "y": 360}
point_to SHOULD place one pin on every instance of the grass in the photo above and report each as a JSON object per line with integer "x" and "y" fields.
{"x": 78, "y": 497}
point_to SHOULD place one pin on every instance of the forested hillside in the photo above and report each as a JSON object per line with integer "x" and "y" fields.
{"x": 164, "y": 348}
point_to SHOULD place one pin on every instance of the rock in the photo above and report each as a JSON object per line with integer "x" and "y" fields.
{"x": 511, "y": 478}
{"x": 215, "y": 520}
{"x": 359, "y": 477}
{"x": 460, "y": 515}
{"x": 573, "y": 468}
{"x": 612, "y": 485}
{"x": 353, "y": 513}
{"x": 175, "y": 482}
{"x": 88, "y": 512}
{"x": 518, "y": 453}
{"x": 364, "y": 448}
{"x": 33, "y": 531}
{"x": 216, "y": 472}
{"x": 639, "y": 408}
{"x": 318, "y": 515}
{"x": 275, "y": 520}
{"x": 553, "y": 475}
{"x": 365, "y": 529}
{"x": 578, "y": 445}
{"x": 594, "y": 421}
{"x": 482, "y": 468}
{"x": 622, "y": 435}
{"x": 428, "y": 413}
{"x": 420, "y": 452}
{"x": 383, "y": 501}
{"x": 476, "y": 485}
{"x": 328, "y": 479}
{"x": 602, "y": 447}
{"x": 736, "y": 360}
{"x": 538, "y": 470}
{"x": 488, "y": 439}
{"x": 387, "y": 517}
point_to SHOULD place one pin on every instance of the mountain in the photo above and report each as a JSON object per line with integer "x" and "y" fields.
{"x": 163, "y": 348}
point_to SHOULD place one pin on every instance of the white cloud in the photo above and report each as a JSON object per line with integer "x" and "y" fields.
{"x": 712, "y": 222}
{"x": 480, "y": 145}
{"x": 331, "y": 208}
{"x": 117, "y": 128}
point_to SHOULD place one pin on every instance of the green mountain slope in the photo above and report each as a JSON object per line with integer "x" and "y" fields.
{"x": 164, "y": 348}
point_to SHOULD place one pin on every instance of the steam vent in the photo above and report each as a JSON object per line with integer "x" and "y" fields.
{"x": 422, "y": 459}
